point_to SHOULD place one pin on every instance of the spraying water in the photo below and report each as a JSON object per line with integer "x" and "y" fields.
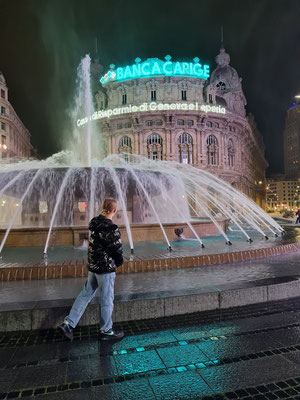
{"x": 149, "y": 192}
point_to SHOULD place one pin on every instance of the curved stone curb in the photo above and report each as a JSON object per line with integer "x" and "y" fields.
{"x": 49, "y": 314}
{"x": 78, "y": 268}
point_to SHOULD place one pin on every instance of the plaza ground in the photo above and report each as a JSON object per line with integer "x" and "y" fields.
{"x": 248, "y": 352}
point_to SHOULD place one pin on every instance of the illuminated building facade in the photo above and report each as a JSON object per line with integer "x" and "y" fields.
{"x": 178, "y": 111}
{"x": 292, "y": 142}
{"x": 283, "y": 194}
{"x": 14, "y": 137}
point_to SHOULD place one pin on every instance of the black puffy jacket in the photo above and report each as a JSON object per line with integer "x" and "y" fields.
{"x": 105, "y": 251}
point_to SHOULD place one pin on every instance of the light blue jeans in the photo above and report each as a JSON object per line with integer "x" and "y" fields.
{"x": 105, "y": 283}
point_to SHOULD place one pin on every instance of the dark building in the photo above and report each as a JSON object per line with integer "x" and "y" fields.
{"x": 291, "y": 137}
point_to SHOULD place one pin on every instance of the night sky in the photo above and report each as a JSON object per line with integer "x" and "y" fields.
{"x": 42, "y": 42}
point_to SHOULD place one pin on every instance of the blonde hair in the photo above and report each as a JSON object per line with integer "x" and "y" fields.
{"x": 108, "y": 205}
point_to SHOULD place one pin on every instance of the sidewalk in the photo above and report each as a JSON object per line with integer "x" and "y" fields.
{"x": 248, "y": 353}
{"x": 26, "y": 305}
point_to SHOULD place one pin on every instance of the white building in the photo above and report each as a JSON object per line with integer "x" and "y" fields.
{"x": 178, "y": 111}
{"x": 14, "y": 137}
{"x": 283, "y": 194}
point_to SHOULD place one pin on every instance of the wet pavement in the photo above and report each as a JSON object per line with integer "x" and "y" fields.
{"x": 153, "y": 250}
{"x": 252, "y": 352}
{"x": 165, "y": 283}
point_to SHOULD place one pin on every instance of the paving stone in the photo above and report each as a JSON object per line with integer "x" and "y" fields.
{"x": 193, "y": 332}
{"x": 129, "y": 390}
{"x": 183, "y": 385}
{"x": 95, "y": 368}
{"x": 248, "y": 373}
{"x": 287, "y": 337}
{"x": 69, "y": 349}
{"x": 5, "y": 356}
{"x": 138, "y": 362}
{"x": 37, "y": 353}
{"x": 181, "y": 355}
{"x": 7, "y": 377}
{"x": 86, "y": 394}
{"x": 267, "y": 321}
{"x": 32, "y": 377}
{"x": 222, "y": 328}
{"x": 152, "y": 338}
{"x": 237, "y": 346}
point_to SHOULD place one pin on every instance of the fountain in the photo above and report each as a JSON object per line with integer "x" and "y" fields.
{"x": 51, "y": 201}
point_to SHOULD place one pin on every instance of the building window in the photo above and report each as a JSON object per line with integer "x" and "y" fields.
{"x": 217, "y": 125}
{"x": 3, "y": 126}
{"x": 3, "y": 110}
{"x": 190, "y": 122}
{"x": 124, "y": 98}
{"x": 127, "y": 125}
{"x": 153, "y": 95}
{"x": 125, "y": 146}
{"x": 43, "y": 207}
{"x": 212, "y": 150}
{"x": 230, "y": 149}
{"x": 221, "y": 86}
{"x": 3, "y": 140}
{"x": 125, "y": 141}
{"x": 149, "y": 123}
{"x": 210, "y": 98}
{"x": 180, "y": 122}
{"x": 183, "y": 95}
{"x": 209, "y": 124}
{"x": 159, "y": 122}
{"x": 185, "y": 149}
{"x": 154, "y": 147}
{"x": 119, "y": 126}
{"x": 3, "y": 94}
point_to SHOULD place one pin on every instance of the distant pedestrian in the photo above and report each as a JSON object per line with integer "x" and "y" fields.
{"x": 298, "y": 216}
{"x": 105, "y": 254}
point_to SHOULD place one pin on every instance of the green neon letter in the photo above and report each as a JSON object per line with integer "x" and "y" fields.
{"x": 156, "y": 69}
{"x": 144, "y": 66}
{"x": 120, "y": 73}
{"x": 127, "y": 73}
{"x": 198, "y": 70}
{"x": 185, "y": 68}
{"x": 167, "y": 70}
{"x": 136, "y": 70}
{"x": 206, "y": 71}
{"x": 177, "y": 69}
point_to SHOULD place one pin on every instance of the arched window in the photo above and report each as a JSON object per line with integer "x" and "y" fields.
{"x": 209, "y": 124}
{"x": 212, "y": 150}
{"x": 221, "y": 86}
{"x": 154, "y": 147}
{"x": 125, "y": 146}
{"x": 185, "y": 148}
{"x": 230, "y": 149}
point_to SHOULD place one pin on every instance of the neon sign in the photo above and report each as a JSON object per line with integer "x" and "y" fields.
{"x": 148, "y": 107}
{"x": 154, "y": 67}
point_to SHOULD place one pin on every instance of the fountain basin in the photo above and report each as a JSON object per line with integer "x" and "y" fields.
{"x": 74, "y": 236}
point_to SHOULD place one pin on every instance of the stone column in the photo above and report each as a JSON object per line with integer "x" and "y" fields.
{"x": 114, "y": 149}
{"x": 142, "y": 152}
{"x": 136, "y": 142}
